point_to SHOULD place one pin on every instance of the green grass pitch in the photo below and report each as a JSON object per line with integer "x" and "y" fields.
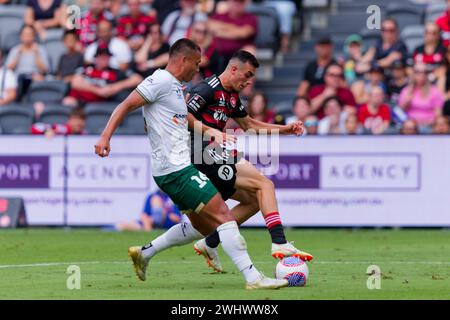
{"x": 415, "y": 264}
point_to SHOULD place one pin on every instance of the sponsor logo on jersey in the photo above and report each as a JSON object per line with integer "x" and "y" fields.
{"x": 179, "y": 119}
{"x": 219, "y": 115}
{"x": 233, "y": 101}
{"x": 225, "y": 172}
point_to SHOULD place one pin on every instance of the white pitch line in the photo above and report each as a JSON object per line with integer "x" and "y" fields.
{"x": 53, "y": 264}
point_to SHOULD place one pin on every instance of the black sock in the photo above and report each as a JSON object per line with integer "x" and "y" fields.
{"x": 277, "y": 234}
{"x": 213, "y": 240}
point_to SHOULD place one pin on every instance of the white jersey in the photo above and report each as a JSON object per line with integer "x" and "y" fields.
{"x": 165, "y": 117}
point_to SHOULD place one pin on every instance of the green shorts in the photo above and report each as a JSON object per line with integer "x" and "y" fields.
{"x": 188, "y": 188}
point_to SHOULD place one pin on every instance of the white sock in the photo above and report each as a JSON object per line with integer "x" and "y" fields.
{"x": 180, "y": 234}
{"x": 235, "y": 246}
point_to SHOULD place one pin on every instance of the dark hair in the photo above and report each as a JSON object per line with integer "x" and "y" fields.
{"x": 24, "y": 26}
{"x": 325, "y": 102}
{"x": 78, "y": 112}
{"x": 297, "y": 98}
{"x": 252, "y": 98}
{"x": 391, "y": 19}
{"x": 244, "y": 57}
{"x": 334, "y": 64}
{"x": 71, "y": 32}
{"x": 183, "y": 46}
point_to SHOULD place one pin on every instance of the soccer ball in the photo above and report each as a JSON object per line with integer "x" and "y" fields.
{"x": 294, "y": 270}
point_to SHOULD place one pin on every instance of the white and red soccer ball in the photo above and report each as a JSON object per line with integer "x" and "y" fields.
{"x": 294, "y": 270}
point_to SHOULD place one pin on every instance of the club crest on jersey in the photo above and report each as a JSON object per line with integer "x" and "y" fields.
{"x": 233, "y": 101}
{"x": 179, "y": 119}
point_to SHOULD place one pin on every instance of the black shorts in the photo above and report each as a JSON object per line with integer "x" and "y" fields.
{"x": 221, "y": 170}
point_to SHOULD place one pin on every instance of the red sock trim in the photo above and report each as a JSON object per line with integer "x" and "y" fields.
{"x": 272, "y": 219}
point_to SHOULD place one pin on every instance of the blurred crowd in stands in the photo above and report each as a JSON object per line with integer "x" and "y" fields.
{"x": 102, "y": 56}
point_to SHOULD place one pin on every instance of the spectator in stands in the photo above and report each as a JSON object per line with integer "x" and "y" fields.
{"x": 421, "y": 100}
{"x": 159, "y": 212}
{"x": 432, "y": 52}
{"x": 441, "y": 125}
{"x": 314, "y": 72}
{"x": 311, "y": 124}
{"x": 177, "y": 23}
{"x": 44, "y": 14}
{"x": 258, "y": 108}
{"x": 8, "y": 84}
{"x": 72, "y": 59}
{"x": 113, "y": 6}
{"x": 444, "y": 83}
{"x": 352, "y": 125}
{"x": 153, "y": 54}
{"x": 334, "y": 118}
{"x": 301, "y": 108}
{"x": 28, "y": 60}
{"x": 121, "y": 53}
{"x": 361, "y": 89}
{"x": 375, "y": 115}
{"x": 399, "y": 79}
{"x": 210, "y": 57}
{"x": 90, "y": 20}
{"x": 353, "y": 57}
{"x": 334, "y": 86}
{"x": 409, "y": 127}
{"x": 443, "y": 23}
{"x": 134, "y": 26}
{"x": 100, "y": 82}
{"x": 286, "y": 11}
{"x": 234, "y": 30}
{"x": 388, "y": 49}
{"x": 75, "y": 125}
{"x": 5, "y": 1}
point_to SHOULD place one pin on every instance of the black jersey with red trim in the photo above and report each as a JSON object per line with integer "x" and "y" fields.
{"x": 210, "y": 103}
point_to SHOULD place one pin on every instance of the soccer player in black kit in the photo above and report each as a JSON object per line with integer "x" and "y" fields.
{"x": 211, "y": 103}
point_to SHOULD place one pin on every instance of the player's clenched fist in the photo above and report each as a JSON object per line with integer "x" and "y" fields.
{"x": 296, "y": 128}
{"x": 102, "y": 147}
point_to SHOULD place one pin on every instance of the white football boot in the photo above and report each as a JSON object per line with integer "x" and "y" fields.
{"x": 279, "y": 251}
{"x": 210, "y": 254}
{"x": 266, "y": 283}
{"x": 139, "y": 262}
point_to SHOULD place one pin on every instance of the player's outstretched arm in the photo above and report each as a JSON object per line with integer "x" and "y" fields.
{"x": 248, "y": 123}
{"x": 131, "y": 103}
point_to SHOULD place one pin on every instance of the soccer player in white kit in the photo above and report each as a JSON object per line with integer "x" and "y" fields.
{"x": 165, "y": 115}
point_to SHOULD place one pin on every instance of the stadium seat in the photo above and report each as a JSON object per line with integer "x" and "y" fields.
{"x": 405, "y": 15}
{"x": 134, "y": 123}
{"x": 55, "y": 49}
{"x": 435, "y": 10}
{"x": 11, "y": 20}
{"x": 15, "y": 120}
{"x": 413, "y": 31}
{"x": 412, "y": 43}
{"x": 54, "y": 34}
{"x": 268, "y": 27}
{"x": 96, "y": 118}
{"x": 102, "y": 105}
{"x": 11, "y": 40}
{"x": 55, "y": 114}
{"x": 46, "y": 91}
